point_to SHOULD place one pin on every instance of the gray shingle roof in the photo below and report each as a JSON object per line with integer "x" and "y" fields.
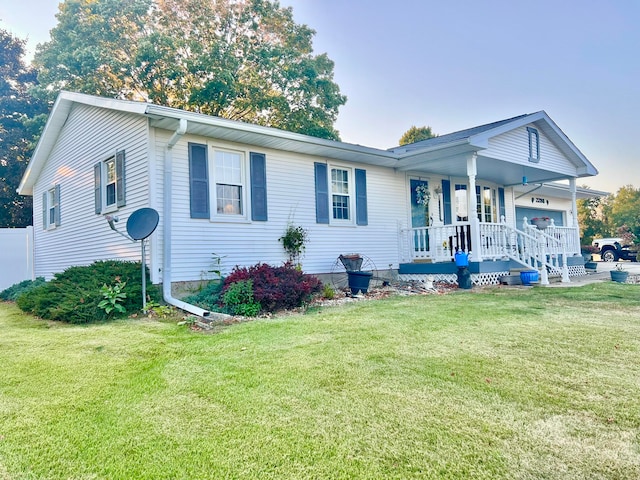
{"x": 456, "y": 136}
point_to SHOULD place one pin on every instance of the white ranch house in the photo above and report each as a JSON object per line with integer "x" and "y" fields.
{"x": 229, "y": 189}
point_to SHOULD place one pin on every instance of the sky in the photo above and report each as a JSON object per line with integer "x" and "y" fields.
{"x": 457, "y": 64}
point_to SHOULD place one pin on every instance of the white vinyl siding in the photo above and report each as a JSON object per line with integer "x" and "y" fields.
{"x": 290, "y": 190}
{"x": 89, "y": 135}
{"x": 513, "y": 147}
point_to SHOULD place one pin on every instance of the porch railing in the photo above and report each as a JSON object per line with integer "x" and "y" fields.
{"x": 530, "y": 246}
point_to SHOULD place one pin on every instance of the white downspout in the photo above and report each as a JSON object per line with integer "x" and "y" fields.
{"x": 166, "y": 233}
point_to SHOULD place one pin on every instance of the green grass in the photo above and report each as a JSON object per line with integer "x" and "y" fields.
{"x": 494, "y": 384}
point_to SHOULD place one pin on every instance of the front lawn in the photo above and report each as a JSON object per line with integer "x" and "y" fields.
{"x": 495, "y": 384}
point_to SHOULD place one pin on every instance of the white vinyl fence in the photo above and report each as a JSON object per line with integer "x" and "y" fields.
{"x": 16, "y": 256}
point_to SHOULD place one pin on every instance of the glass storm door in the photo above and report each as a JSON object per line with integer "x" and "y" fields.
{"x": 419, "y": 215}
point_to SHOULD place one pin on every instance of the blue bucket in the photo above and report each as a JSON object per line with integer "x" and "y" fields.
{"x": 529, "y": 276}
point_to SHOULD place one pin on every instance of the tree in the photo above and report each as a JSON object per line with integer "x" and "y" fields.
{"x": 623, "y": 210}
{"x": 590, "y": 219}
{"x": 416, "y": 134}
{"x": 239, "y": 59}
{"x": 21, "y": 120}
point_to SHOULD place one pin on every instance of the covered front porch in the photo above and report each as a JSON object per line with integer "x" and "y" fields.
{"x": 470, "y": 191}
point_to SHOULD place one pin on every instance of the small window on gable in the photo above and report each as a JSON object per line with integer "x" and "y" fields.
{"x": 534, "y": 145}
{"x": 51, "y": 208}
{"x": 109, "y": 183}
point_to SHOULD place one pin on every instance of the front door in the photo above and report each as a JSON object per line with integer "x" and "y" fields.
{"x": 419, "y": 212}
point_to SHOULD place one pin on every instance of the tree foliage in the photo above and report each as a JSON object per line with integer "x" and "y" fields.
{"x": 623, "y": 209}
{"x": 613, "y": 216}
{"x": 416, "y": 134}
{"x": 21, "y": 119}
{"x": 240, "y": 59}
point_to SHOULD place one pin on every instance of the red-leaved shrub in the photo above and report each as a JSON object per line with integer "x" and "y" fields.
{"x": 276, "y": 288}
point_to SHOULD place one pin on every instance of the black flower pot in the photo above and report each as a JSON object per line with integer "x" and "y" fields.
{"x": 359, "y": 281}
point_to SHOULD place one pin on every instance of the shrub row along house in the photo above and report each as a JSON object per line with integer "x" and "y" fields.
{"x": 229, "y": 189}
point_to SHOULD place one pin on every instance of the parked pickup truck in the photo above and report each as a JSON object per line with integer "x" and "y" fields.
{"x": 612, "y": 250}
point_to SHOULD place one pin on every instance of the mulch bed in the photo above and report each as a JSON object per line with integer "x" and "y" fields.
{"x": 217, "y": 322}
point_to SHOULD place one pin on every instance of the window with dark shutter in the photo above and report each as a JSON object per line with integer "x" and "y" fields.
{"x": 56, "y": 202}
{"x": 45, "y": 195}
{"x": 51, "y": 208}
{"x": 120, "y": 179}
{"x": 362, "y": 217}
{"x": 446, "y": 200}
{"x": 322, "y": 192}
{"x": 198, "y": 181}
{"x": 97, "y": 187}
{"x": 258, "y": 169}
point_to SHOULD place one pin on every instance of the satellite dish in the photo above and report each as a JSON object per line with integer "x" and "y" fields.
{"x": 142, "y": 223}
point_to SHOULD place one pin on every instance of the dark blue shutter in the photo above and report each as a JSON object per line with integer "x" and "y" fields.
{"x": 258, "y": 169}
{"x": 97, "y": 187}
{"x": 120, "y": 180}
{"x": 56, "y": 202}
{"x": 44, "y": 211}
{"x": 362, "y": 217}
{"x": 198, "y": 181}
{"x": 502, "y": 209}
{"x": 322, "y": 193}
{"x": 446, "y": 200}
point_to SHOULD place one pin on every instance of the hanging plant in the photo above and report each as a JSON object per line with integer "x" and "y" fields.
{"x": 423, "y": 195}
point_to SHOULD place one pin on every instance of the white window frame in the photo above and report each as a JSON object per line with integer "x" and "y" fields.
{"x": 351, "y": 195}
{"x": 51, "y": 207}
{"x": 456, "y": 200}
{"x": 109, "y": 207}
{"x": 482, "y": 205}
{"x": 243, "y": 183}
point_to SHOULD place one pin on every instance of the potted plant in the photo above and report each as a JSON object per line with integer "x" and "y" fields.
{"x": 587, "y": 255}
{"x": 358, "y": 280}
{"x": 540, "y": 222}
{"x": 619, "y": 274}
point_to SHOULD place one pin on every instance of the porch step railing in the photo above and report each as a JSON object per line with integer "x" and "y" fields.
{"x": 538, "y": 250}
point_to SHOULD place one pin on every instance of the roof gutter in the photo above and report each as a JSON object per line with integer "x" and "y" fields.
{"x": 166, "y": 268}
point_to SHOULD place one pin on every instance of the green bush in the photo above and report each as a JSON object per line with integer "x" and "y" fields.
{"x": 238, "y": 299}
{"x": 209, "y": 298}
{"x": 14, "y": 291}
{"x": 74, "y": 295}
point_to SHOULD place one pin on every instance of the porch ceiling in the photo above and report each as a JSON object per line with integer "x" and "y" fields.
{"x": 489, "y": 169}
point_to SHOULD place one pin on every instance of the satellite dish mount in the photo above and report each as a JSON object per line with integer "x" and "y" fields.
{"x": 140, "y": 225}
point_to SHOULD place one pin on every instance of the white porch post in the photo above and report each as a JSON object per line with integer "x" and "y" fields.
{"x": 473, "y": 208}
{"x": 574, "y": 209}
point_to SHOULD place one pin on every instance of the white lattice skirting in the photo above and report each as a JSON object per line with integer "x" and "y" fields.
{"x": 577, "y": 271}
{"x": 479, "y": 279}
